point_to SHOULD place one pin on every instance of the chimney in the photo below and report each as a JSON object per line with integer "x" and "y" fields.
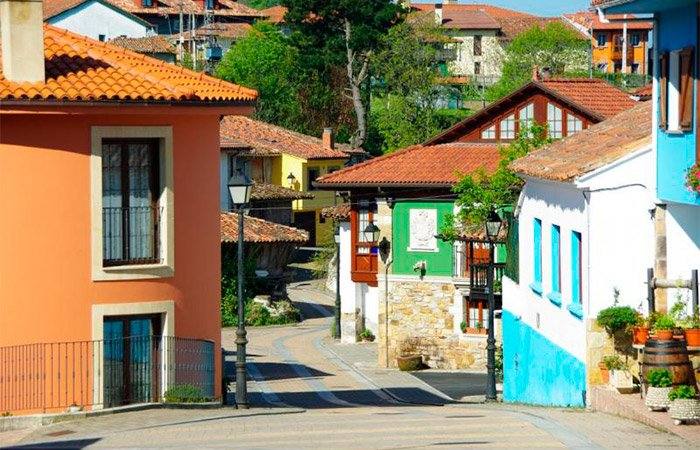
{"x": 438, "y": 13}
{"x": 327, "y": 138}
{"x": 22, "y": 35}
{"x": 535, "y": 73}
{"x": 545, "y": 73}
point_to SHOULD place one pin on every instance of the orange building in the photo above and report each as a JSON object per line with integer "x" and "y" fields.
{"x": 109, "y": 222}
{"x": 610, "y": 55}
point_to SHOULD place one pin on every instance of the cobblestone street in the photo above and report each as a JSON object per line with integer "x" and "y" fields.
{"x": 308, "y": 392}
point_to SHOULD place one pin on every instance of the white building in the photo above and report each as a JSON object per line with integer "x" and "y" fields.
{"x": 97, "y": 19}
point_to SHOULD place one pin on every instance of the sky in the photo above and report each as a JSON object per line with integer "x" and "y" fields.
{"x": 538, "y": 7}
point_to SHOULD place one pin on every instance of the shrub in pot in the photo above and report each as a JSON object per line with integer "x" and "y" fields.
{"x": 660, "y": 382}
{"x": 367, "y": 336}
{"x": 617, "y": 318}
{"x": 663, "y": 328}
{"x": 685, "y": 405}
{"x": 640, "y": 331}
{"x": 692, "y": 331}
{"x": 620, "y": 377}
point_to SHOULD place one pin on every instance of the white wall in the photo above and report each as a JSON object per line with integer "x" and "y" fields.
{"x": 491, "y": 53}
{"x": 682, "y": 245}
{"x": 94, "y": 19}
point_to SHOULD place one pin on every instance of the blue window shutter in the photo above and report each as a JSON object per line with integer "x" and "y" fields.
{"x": 538, "y": 250}
{"x": 575, "y": 267}
{"x": 556, "y": 262}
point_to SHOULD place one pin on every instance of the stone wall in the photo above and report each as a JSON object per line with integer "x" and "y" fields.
{"x": 600, "y": 344}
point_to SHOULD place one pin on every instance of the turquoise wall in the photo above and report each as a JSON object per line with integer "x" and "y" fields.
{"x": 537, "y": 371}
{"x": 438, "y": 263}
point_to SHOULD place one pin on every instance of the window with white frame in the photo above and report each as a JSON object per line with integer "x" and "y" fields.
{"x": 674, "y": 93}
{"x": 489, "y": 133}
{"x": 364, "y": 217}
{"x": 573, "y": 124}
{"x": 508, "y": 127}
{"x": 554, "y": 121}
{"x": 676, "y": 90}
{"x": 527, "y": 116}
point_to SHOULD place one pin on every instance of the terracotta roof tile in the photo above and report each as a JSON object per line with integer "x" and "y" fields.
{"x": 590, "y": 149}
{"x": 271, "y": 138}
{"x": 496, "y": 12}
{"x": 267, "y": 191}
{"x": 148, "y": 44}
{"x": 259, "y": 230}
{"x": 234, "y": 30}
{"x": 82, "y": 69}
{"x": 645, "y": 92}
{"x": 595, "y": 95}
{"x": 228, "y": 8}
{"x": 338, "y": 212}
{"x": 588, "y": 19}
{"x": 439, "y": 165}
{"x": 275, "y": 14}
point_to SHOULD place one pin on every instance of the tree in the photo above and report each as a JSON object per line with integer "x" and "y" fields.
{"x": 555, "y": 46}
{"x": 347, "y": 32}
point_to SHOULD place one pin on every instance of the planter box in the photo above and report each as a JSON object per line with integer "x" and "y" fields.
{"x": 657, "y": 398}
{"x": 684, "y": 410}
{"x": 622, "y": 381}
{"x": 409, "y": 363}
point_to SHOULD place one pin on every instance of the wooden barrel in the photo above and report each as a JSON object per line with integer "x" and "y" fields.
{"x": 671, "y": 355}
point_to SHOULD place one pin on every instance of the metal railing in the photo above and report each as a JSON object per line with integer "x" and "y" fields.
{"x": 130, "y": 235}
{"x": 52, "y": 377}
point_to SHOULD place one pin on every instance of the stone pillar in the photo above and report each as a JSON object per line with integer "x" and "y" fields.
{"x": 660, "y": 266}
{"x": 350, "y": 294}
{"x": 383, "y": 221}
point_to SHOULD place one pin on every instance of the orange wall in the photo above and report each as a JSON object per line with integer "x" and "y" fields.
{"x": 46, "y": 292}
{"x": 610, "y": 54}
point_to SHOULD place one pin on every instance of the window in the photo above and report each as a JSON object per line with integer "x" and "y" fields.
{"x": 676, "y": 90}
{"x": 364, "y": 217}
{"x": 635, "y": 67}
{"x": 130, "y": 192}
{"x": 603, "y": 67}
{"x": 508, "y": 127}
{"x": 209, "y": 4}
{"x": 576, "y": 275}
{"x": 101, "y": 37}
{"x": 537, "y": 256}
{"x": 333, "y": 169}
{"x": 602, "y": 39}
{"x": 573, "y": 124}
{"x": 477, "y": 45}
{"x": 147, "y": 3}
{"x": 554, "y": 121}
{"x": 476, "y": 315}
{"x": 555, "y": 243}
{"x": 311, "y": 175}
{"x": 477, "y": 68}
{"x": 634, "y": 39}
{"x": 489, "y": 133}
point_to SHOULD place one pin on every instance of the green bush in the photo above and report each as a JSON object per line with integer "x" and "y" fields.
{"x": 185, "y": 393}
{"x": 614, "y": 362}
{"x": 367, "y": 335}
{"x": 617, "y": 318}
{"x": 682, "y": 392}
{"x": 664, "y": 322}
{"x": 463, "y": 326}
{"x": 659, "y": 378}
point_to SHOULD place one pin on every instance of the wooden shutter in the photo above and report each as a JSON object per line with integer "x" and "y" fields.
{"x": 686, "y": 89}
{"x": 663, "y": 91}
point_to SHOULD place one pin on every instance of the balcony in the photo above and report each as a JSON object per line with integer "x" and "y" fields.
{"x": 130, "y": 235}
{"x": 471, "y": 263}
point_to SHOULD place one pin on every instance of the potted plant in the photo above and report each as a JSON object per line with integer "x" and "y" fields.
{"x": 640, "y": 331}
{"x": 692, "y": 180}
{"x": 685, "y": 405}
{"x": 692, "y": 331}
{"x": 366, "y": 336}
{"x": 620, "y": 377}
{"x": 663, "y": 328}
{"x": 463, "y": 326}
{"x": 604, "y": 372}
{"x": 660, "y": 382}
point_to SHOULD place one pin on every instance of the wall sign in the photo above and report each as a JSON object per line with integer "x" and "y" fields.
{"x": 422, "y": 230}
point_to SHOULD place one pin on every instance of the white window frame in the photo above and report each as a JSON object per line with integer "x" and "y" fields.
{"x": 489, "y": 133}
{"x": 508, "y": 127}
{"x": 573, "y": 120}
{"x": 554, "y": 117}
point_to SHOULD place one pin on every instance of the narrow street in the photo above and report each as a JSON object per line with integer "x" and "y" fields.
{"x": 308, "y": 392}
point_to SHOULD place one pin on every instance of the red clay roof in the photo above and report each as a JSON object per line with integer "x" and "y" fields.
{"x": 275, "y": 14}
{"x": 338, "y": 213}
{"x": 590, "y": 149}
{"x": 588, "y": 19}
{"x": 596, "y": 95}
{"x": 267, "y": 191}
{"x": 239, "y": 131}
{"x": 81, "y": 69}
{"x": 259, "y": 231}
{"x": 234, "y": 30}
{"x": 229, "y": 8}
{"x": 496, "y": 12}
{"x": 148, "y": 44}
{"x": 434, "y": 165}
{"x": 645, "y": 92}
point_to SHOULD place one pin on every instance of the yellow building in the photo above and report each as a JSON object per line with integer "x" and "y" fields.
{"x": 274, "y": 155}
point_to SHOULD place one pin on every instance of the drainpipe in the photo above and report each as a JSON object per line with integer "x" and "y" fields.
{"x": 386, "y": 308}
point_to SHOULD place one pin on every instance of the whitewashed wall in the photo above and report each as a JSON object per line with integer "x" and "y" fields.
{"x": 491, "y": 53}
{"x": 94, "y": 18}
{"x": 682, "y": 245}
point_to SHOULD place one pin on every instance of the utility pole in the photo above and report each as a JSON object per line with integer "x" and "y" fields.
{"x": 624, "y": 45}
{"x": 182, "y": 36}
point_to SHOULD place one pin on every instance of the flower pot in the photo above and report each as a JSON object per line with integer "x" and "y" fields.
{"x": 604, "y": 373}
{"x": 409, "y": 363}
{"x": 622, "y": 381}
{"x": 657, "y": 398}
{"x": 692, "y": 337}
{"x": 684, "y": 410}
{"x": 74, "y": 409}
{"x": 664, "y": 335}
{"x": 640, "y": 335}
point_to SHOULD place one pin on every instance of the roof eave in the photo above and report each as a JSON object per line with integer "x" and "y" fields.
{"x": 354, "y": 185}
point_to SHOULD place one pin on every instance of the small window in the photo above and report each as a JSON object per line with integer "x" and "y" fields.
{"x": 101, "y": 37}
{"x": 554, "y": 121}
{"x": 526, "y": 116}
{"x": 311, "y": 176}
{"x": 209, "y": 4}
{"x": 635, "y": 67}
{"x": 537, "y": 256}
{"x": 333, "y": 169}
{"x": 489, "y": 133}
{"x": 602, "y": 39}
{"x": 603, "y": 67}
{"x": 676, "y": 90}
{"x": 634, "y": 39}
{"x": 508, "y": 127}
{"x": 477, "y": 45}
{"x": 573, "y": 124}
{"x": 555, "y": 242}
{"x": 576, "y": 272}
{"x": 364, "y": 217}
{"x": 476, "y": 315}
{"x": 147, "y": 3}
{"x": 477, "y": 68}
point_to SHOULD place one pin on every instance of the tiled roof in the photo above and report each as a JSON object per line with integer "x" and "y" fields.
{"x": 434, "y": 165}
{"x": 275, "y": 14}
{"x": 81, "y": 69}
{"x": 148, "y": 44}
{"x": 338, "y": 212}
{"x": 259, "y": 231}
{"x": 513, "y": 26}
{"x": 645, "y": 92}
{"x": 588, "y": 19}
{"x": 267, "y": 191}
{"x": 229, "y": 8}
{"x": 234, "y": 30}
{"x": 494, "y": 11}
{"x": 469, "y": 20}
{"x": 595, "y": 95}
{"x": 271, "y": 138}
{"x": 590, "y": 149}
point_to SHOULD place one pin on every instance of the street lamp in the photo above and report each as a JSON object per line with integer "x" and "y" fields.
{"x": 371, "y": 232}
{"x": 336, "y": 329}
{"x": 291, "y": 179}
{"x": 239, "y": 187}
{"x": 493, "y": 227}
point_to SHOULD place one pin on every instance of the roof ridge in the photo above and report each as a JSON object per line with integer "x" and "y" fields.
{"x": 370, "y": 161}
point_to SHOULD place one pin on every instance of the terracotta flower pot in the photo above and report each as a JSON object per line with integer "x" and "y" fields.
{"x": 640, "y": 335}
{"x": 664, "y": 335}
{"x": 692, "y": 337}
{"x": 604, "y": 373}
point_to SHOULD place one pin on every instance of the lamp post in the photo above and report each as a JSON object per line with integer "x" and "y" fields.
{"x": 291, "y": 179}
{"x": 493, "y": 227}
{"x": 336, "y": 329}
{"x": 239, "y": 187}
{"x": 371, "y": 232}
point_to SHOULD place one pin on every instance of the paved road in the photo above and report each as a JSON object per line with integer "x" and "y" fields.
{"x": 310, "y": 393}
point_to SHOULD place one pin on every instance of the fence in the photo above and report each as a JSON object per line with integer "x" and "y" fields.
{"x": 51, "y": 377}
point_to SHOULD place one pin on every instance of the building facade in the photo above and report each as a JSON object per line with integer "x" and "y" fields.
{"x": 96, "y": 19}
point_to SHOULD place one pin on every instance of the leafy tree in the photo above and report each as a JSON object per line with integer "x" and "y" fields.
{"x": 261, "y": 4}
{"x": 555, "y": 46}
{"x": 342, "y": 32}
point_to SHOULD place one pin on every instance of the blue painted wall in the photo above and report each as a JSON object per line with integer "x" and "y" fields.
{"x": 537, "y": 371}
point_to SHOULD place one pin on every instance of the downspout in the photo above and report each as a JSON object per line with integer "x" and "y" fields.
{"x": 386, "y": 308}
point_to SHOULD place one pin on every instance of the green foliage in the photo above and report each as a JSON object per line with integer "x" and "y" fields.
{"x": 617, "y": 318}
{"x": 367, "y": 335}
{"x": 463, "y": 326}
{"x": 614, "y": 362}
{"x": 261, "y": 4}
{"x": 664, "y": 322}
{"x": 554, "y": 46}
{"x": 659, "y": 378}
{"x": 683, "y": 392}
{"x": 480, "y": 193}
{"x": 498, "y": 363}
{"x": 229, "y": 282}
{"x": 322, "y": 258}
{"x": 187, "y": 62}
{"x": 185, "y": 393}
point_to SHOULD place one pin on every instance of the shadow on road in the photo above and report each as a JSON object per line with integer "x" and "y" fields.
{"x": 455, "y": 384}
{"x": 66, "y": 444}
{"x": 279, "y": 371}
{"x": 314, "y": 310}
